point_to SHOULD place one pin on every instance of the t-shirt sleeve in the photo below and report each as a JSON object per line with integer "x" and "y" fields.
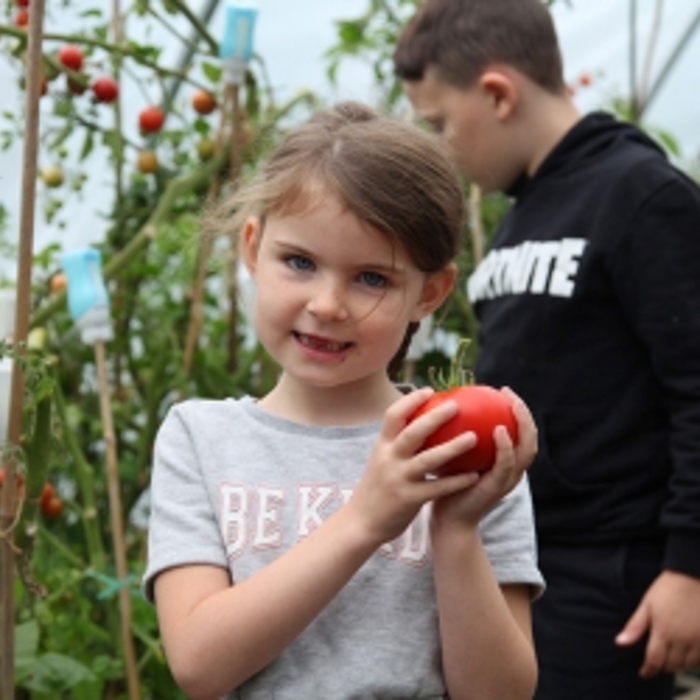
{"x": 183, "y": 527}
{"x": 508, "y": 534}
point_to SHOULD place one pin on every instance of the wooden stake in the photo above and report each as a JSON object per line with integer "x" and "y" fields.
{"x": 8, "y": 501}
{"x": 115, "y": 507}
{"x": 205, "y": 250}
{"x": 476, "y": 227}
{"x": 235, "y": 169}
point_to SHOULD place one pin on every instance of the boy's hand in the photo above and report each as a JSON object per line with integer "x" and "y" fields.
{"x": 670, "y": 612}
{"x": 397, "y": 480}
{"x": 511, "y": 461}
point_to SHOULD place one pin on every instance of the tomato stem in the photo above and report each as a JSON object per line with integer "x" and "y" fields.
{"x": 458, "y": 375}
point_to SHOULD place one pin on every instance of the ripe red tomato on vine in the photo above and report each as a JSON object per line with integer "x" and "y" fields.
{"x": 19, "y": 477}
{"x": 105, "y": 89}
{"x": 53, "y": 508}
{"x": 481, "y": 410}
{"x": 22, "y": 18}
{"x": 151, "y": 119}
{"x": 71, "y": 57}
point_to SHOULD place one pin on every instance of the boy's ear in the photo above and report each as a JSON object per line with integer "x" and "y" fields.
{"x": 250, "y": 243}
{"x": 435, "y": 290}
{"x": 502, "y": 91}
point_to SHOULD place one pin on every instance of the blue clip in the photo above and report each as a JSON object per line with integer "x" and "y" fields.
{"x": 238, "y": 32}
{"x": 112, "y": 585}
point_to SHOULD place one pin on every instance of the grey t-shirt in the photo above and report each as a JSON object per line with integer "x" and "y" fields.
{"x": 236, "y": 487}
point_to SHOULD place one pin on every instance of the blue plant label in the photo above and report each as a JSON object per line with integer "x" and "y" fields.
{"x": 237, "y": 42}
{"x": 86, "y": 288}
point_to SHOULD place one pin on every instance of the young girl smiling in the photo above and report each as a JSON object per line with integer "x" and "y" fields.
{"x": 300, "y": 546}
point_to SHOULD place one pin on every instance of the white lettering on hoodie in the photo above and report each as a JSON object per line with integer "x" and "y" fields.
{"x": 533, "y": 267}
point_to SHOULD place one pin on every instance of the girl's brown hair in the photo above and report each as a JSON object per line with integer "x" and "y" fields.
{"x": 389, "y": 174}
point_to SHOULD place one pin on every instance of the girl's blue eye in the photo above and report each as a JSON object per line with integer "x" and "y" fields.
{"x": 299, "y": 262}
{"x": 374, "y": 279}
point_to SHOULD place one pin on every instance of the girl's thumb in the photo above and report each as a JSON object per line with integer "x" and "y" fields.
{"x": 636, "y": 626}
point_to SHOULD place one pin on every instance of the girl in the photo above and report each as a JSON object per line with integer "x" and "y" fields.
{"x": 300, "y": 546}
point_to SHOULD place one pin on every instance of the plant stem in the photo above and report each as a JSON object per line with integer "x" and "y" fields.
{"x": 106, "y": 46}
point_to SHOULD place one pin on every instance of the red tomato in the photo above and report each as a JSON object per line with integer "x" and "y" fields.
{"x": 151, "y": 119}
{"x": 22, "y": 18}
{"x": 20, "y": 479}
{"x": 71, "y": 57}
{"x": 46, "y": 495}
{"x": 585, "y": 79}
{"x": 105, "y": 89}
{"x": 203, "y": 102}
{"x": 22, "y": 3}
{"x": 481, "y": 410}
{"x": 53, "y": 507}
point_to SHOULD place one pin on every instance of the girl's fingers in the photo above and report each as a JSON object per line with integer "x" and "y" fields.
{"x": 527, "y": 429}
{"x": 446, "y": 486}
{"x": 412, "y": 437}
{"x": 399, "y": 412}
{"x": 431, "y": 460}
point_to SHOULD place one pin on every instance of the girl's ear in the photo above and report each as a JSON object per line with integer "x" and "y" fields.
{"x": 250, "y": 243}
{"x": 436, "y": 287}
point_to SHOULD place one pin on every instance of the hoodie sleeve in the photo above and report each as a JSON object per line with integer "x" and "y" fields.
{"x": 656, "y": 271}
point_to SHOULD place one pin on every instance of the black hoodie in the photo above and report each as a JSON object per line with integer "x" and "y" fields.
{"x": 589, "y": 308}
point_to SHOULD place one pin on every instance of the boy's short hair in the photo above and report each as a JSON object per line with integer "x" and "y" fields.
{"x": 460, "y": 38}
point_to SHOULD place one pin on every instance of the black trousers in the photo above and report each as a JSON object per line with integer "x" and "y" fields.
{"x": 591, "y": 593}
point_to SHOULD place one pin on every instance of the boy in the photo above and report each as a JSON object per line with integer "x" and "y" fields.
{"x": 589, "y": 308}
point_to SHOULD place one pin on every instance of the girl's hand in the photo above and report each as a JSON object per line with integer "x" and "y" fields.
{"x": 397, "y": 481}
{"x": 511, "y": 461}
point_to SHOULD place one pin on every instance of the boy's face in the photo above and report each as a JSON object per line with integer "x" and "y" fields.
{"x": 470, "y": 122}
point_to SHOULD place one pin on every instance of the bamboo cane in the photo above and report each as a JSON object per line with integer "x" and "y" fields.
{"x": 8, "y": 502}
{"x": 476, "y": 226}
{"x": 117, "y": 521}
{"x": 204, "y": 255}
{"x": 235, "y": 170}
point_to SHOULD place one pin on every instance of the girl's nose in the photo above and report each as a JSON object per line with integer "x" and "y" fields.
{"x": 327, "y": 302}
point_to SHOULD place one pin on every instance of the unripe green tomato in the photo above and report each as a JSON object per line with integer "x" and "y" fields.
{"x": 53, "y": 176}
{"x": 206, "y": 148}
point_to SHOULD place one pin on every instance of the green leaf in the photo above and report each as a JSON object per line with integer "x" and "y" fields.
{"x": 95, "y": 12}
{"x": 55, "y": 673}
{"x": 110, "y": 138}
{"x": 65, "y": 132}
{"x": 352, "y": 32}
{"x": 87, "y": 145}
{"x": 63, "y": 108}
{"x": 212, "y": 71}
{"x": 26, "y": 645}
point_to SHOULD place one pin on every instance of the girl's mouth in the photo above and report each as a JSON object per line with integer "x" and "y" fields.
{"x": 320, "y": 344}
